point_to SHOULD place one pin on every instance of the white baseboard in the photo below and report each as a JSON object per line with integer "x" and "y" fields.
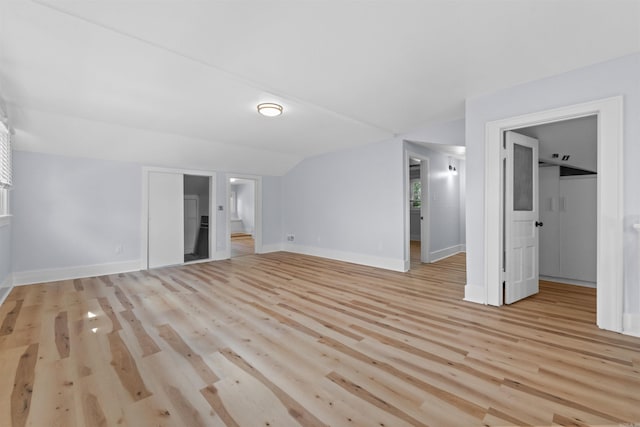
{"x": 274, "y": 247}
{"x": 220, "y": 255}
{"x": 474, "y": 293}
{"x": 631, "y": 324}
{"x": 446, "y": 252}
{"x": 356, "y": 258}
{"x": 52, "y": 275}
{"x": 568, "y": 281}
{"x": 5, "y": 287}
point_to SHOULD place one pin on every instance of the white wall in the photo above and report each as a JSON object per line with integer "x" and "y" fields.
{"x": 272, "y": 213}
{"x": 222, "y": 199}
{"x": 5, "y": 253}
{"x": 349, "y": 205}
{"x": 462, "y": 179}
{"x": 616, "y": 77}
{"x": 245, "y": 196}
{"x": 71, "y": 212}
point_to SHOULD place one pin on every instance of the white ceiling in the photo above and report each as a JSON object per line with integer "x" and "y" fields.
{"x": 577, "y": 138}
{"x": 176, "y": 82}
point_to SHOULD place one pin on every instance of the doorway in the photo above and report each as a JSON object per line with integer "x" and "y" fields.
{"x": 609, "y": 204}
{"x": 418, "y": 206}
{"x": 175, "y": 217}
{"x": 196, "y": 217}
{"x": 567, "y": 179}
{"x": 242, "y": 216}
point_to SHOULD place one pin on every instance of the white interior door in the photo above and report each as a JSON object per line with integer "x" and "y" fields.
{"x": 191, "y": 223}
{"x": 521, "y": 217}
{"x": 166, "y": 219}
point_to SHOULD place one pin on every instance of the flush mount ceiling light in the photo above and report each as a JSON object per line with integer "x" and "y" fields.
{"x": 270, "y": 109}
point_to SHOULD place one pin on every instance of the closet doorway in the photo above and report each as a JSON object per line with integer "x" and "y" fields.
{"x": 196, "y": 217}
{"x": 175, "y": 217}
{"x": 243, "y": 215}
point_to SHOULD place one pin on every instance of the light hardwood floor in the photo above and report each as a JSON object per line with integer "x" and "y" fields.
{"x": 286, "y": 340}
{"x": 242, "y": 244}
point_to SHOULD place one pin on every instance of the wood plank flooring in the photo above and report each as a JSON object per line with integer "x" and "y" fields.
{"x": 242, "y": 244}
{"x": 289, "y": 340}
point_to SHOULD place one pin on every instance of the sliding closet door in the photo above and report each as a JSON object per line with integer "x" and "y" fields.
{"x": 166, "y": 219}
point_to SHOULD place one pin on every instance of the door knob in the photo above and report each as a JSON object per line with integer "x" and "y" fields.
{"x": 539, "y": 224}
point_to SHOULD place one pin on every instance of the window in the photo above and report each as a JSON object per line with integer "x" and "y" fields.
{"x": 416, "y": 193}
{"x": 5, "y": 169}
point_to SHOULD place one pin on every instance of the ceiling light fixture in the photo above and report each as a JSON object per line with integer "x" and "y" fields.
{"x": 269, "y": 109}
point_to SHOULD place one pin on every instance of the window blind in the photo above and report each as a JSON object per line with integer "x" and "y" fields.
{"x": 5, "y": 156}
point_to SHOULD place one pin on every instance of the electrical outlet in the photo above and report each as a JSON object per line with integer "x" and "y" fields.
{"x": 291, "y": 237}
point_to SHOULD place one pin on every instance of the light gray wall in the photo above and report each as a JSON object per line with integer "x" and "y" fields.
{"x": 272, "y": 233}
{"x": 350, "y": 201}
{"x": 444, "y": 199}
{"x": 245, "y": 195}
{"x": 462, "y": 179}
{"x": 450, "y": 133}
{"x": 5, "y": 252}
{"x": 222, "y": 199}
{"x": 616, "y": 77}
{"x": 70, "y": 212}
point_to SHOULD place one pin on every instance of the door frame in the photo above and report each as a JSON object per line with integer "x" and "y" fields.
{"x": 257, "y": 200}
{"x": 425, "y": 231}
{"x": 144, "y": 217}
{"x": 609, "y": 113}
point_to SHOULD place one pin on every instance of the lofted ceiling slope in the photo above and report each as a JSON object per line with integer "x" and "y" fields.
{"x": 176, "y": 83}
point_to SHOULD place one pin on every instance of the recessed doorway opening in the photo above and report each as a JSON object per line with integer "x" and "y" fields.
{"x": 242, "y": 216}
{"x": 609, "y": 205}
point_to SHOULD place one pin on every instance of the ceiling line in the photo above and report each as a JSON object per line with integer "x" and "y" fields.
{"x": 230, "y": 75}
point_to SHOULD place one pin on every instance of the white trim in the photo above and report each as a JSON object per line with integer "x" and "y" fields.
{"x": 441, "y": 254}
{"x": 5, "y": 220}
{"x": 55, "y": 274}
{"x": 257, "y": 212}
{"x": 352, "y": 257}
{"x": 274, "y": 247}
{"x": 4, "y": 293}
{"x": 610, "y": 201}
{"x": 144, "y": 218}
{"x": 566, "y": 281}
{"x": 5, "y": 287}
{"x": 475, "y": 293}
{"x": 631, "y": 324}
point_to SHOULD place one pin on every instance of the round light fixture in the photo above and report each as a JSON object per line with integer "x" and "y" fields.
{"x": 270, "y": 109}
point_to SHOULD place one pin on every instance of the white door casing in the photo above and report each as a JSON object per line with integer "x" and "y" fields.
{"x": 610, "y": 215}
{"x": 166, "y": 219}
{"x": 521, "y": 217}
{"x": 424, "y": 211}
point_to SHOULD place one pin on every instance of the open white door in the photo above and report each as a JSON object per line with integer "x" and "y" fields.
{"x": 521, "y": 217}
{"x": 166, "y": 219}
